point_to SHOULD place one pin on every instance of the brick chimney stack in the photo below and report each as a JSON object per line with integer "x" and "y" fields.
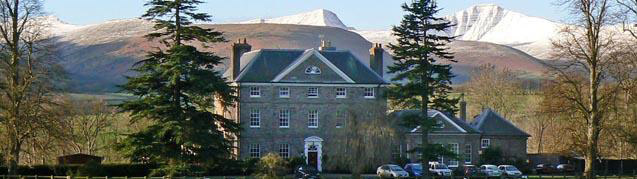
{"x": 376, "y": 59}
{"x": 238, "y": 48}
{"x": 463, "y": 108}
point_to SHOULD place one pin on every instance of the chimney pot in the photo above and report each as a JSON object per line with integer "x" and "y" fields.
{"x": 326, "y": 45}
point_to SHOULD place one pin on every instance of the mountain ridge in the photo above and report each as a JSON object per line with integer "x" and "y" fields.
{"x": 99, "y": 56}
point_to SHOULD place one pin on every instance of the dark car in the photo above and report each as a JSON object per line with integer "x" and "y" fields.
{"x": 545, "y": 169}
{"x": 467, "y": 170}
{"x": 565, "y": 168}
{"x": 306, "y": 172}
{"x": 414, "y": 169}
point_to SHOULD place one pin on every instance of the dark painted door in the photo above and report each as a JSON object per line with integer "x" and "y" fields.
{"x": 312, "y": 159}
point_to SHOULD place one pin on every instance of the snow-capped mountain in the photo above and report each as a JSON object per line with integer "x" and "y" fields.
{"x": 57, "y": 26}
{"x": 492, "y": 23}
{"x": 319, "y": 17}
{"x": 485, "y": 23}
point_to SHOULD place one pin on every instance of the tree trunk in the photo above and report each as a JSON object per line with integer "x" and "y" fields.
{"x": 591, "y": 150}
{"x": 425, "y": 135}
{"x": 592, "y": 134}
{"x": 14, "y": 158}
{"x": 539, "y": 143}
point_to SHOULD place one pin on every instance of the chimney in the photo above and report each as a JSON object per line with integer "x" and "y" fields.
{"x": 463, "y": 108}
{"x": 326, "y": 46}
{"x": 376, "y": 59}
{"x": 238, "y": 49}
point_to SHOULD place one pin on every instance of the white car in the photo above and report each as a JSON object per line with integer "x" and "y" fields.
{"x": 490, "y": 170}
{"x": 510, "y": 171}
{"x": 391, "y": 171}
{"x": 439, "y": 169}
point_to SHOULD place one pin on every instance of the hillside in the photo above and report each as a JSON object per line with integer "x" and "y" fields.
{"x": 99, "y": 56}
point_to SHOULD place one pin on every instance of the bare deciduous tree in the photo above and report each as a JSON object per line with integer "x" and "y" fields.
{"x": 584, "y": 52}
{"x": 24, "y": 69}
{"x": 364, "y": 141}
{"x": 498, "y": 89}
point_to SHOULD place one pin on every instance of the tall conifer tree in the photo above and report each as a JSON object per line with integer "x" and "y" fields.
{"x": 177, "y": 89}
{"x": 422, "y": 81}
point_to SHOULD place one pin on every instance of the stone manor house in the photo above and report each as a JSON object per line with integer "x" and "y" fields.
{"x": 291, "y": 101}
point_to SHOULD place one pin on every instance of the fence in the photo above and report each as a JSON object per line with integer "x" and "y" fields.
{"x": 327, "y": 176}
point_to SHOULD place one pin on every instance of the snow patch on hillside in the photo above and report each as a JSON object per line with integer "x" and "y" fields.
{"x": 57, "y": 26}
{"x": 320, "y": 17}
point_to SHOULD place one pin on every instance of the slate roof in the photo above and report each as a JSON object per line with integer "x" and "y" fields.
{"x": 262, "y": 66}
{"x": 462, "y": 124}
{"x": 491, "y": 123}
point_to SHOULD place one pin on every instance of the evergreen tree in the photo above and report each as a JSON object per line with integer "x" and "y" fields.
{"x": 423, "y": 82}
{"x": 177, "y": 89}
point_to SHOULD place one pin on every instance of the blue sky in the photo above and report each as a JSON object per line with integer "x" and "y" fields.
{"x": 361, "y": 14}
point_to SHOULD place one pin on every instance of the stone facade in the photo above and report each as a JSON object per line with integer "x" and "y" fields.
{"x": 285, "y": 124}
{"x": 467, "y": 139}
{"x": 270, "y": 134}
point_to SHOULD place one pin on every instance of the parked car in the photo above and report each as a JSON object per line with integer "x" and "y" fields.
{"x": 306, "y": 172}
{"x": 565, "y": 168}
{"x": 490, "y": 170}
{"x": 391, "y": 171}
{"x": 439, "y": 169}
{"x": 467, "y": 171}
{"x": 545, "y": 169}
{"x": 414, "y": 169}
{"x": 510, "y": 171}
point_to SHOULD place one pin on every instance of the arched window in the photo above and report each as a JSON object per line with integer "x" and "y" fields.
{"x": 313, "y": 70}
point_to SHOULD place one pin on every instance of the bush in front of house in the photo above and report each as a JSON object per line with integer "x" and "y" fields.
{"x": 272, "y": 166}
{"x": 491, "y": 156}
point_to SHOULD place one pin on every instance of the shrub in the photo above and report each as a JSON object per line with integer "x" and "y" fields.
{"x": 271, "y": 166}
{"x": 491, "y": 156}
{"x": 295, "y": 162}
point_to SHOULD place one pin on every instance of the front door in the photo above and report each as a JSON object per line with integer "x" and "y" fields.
{"x": 313, "y": 152}
{"x": 312, "y": 159}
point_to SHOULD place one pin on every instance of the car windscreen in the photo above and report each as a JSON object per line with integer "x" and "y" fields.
{"x": 492, "y": 168}
{"x": 440, "y": 166}
{"x": 511, "y": 168}
{"x": 395, "y": 168}
{"x": 416, "y": 167}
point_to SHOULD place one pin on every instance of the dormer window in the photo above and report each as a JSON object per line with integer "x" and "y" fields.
{"x": 313, "y": 70}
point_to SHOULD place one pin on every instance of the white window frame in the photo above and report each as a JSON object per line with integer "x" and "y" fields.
{"x": 255, "y": 151}
{"x": 255, "y": 118}
{"x": 284, "y": 92}
{"x": 367, "y": 94}
{"x": 284, "y": 118}
{"x": 468, "y": 151}
{"x": 485, "y": 143}
{"x": 255, "y": 92}
{"x": 284, "y": 150}
{"x": 313, "y": 93}
{"x": 312, "y": 119}
{"x": 455, "y": 148}
{"x": 342, "y": 93}
{"x": 340, "y": 119}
